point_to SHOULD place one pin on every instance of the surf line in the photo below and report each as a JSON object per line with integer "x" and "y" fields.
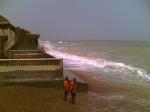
{"x": 103, "y": 64}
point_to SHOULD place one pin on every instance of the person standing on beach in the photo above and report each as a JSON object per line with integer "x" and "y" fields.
{"x": 66, "y": 88}
{"x": 73, "y": 87}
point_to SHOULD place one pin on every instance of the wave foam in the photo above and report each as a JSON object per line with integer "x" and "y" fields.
{"x": 83, "y": 62}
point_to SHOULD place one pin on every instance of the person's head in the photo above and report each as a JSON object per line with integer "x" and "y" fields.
{"x": 74, "y": 79}
{"x": 66, "y": 78}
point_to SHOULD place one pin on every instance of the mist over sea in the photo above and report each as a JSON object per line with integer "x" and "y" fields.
{"x": 118, "y": 62}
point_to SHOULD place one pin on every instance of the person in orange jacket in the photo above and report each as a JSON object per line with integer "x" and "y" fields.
{"x": 66, "y": 88}
{"x": 73, "y": 87}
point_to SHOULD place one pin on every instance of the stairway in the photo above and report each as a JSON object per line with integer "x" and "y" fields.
{"x": 9, "y": 43}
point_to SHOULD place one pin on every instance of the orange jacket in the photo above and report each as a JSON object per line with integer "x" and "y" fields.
{"x": 66, "y": 85}
{"x": 73, "y": 86}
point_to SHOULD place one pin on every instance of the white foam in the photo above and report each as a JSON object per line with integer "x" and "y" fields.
{"x": 83, "y": 62}
{"x": 60, "y": 42}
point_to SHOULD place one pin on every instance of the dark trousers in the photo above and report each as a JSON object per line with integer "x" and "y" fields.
{"x": 65, "y": 94}
{"x": 73, "y": 95}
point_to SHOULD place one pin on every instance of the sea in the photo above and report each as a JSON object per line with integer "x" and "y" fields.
{"x": 119, "y": 63}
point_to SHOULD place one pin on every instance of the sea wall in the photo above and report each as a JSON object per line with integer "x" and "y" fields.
{"x": 27, "y": 54}
{"x": 50, "y": 68}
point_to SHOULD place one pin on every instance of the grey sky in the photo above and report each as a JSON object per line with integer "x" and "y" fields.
{"x": 86, "y": 19}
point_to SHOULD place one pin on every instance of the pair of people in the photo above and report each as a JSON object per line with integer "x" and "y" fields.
{"x": 70, "y": 87}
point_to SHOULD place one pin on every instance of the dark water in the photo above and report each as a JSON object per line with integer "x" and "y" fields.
{"x": 119, "y": 62}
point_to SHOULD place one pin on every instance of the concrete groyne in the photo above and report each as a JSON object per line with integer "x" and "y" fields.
{"x": 21, "y": 58}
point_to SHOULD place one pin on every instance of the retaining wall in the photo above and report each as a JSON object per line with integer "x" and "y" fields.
{"x": 31, "y": 68}
{"x": 27, "y": 54}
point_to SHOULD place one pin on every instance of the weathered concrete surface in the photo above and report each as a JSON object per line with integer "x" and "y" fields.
{"x": 42, "y": 78}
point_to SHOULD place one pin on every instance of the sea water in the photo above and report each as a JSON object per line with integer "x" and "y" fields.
{"x": 119, "y": 62}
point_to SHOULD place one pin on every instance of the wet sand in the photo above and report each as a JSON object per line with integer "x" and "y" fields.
{"x": 33, "y": 99}
{"x": 106, "y": 96}
{"x": 102, "y": 96}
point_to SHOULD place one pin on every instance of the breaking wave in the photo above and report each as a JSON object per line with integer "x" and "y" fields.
{"x": 85, "y": 63}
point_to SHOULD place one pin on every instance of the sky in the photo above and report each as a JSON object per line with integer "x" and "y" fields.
{"x": 81, "y": 19}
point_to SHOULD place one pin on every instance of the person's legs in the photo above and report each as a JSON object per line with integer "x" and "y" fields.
{"x": 65, "y": 95}
{"x": 73, "y": 97}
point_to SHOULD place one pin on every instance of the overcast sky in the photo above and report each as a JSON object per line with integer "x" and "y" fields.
{"x": 85, "y": 19}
